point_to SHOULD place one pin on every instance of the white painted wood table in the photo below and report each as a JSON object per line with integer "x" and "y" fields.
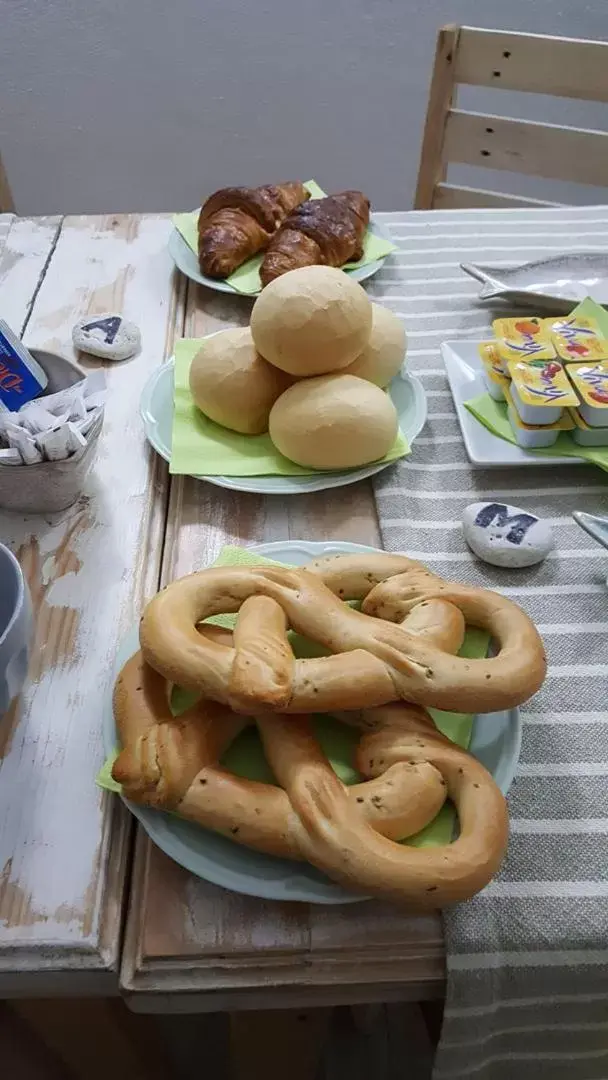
{"x": 64, "y": 844}
{"x": 64, "y": 853}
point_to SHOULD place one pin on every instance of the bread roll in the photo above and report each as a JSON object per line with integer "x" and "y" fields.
{"x": 233, "y": 385}
{"x": 312, "y": 320}
{"x": 384, "y": 353}
{"x": 333, "y": 422}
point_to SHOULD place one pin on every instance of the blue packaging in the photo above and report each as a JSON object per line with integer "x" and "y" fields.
{"x": 21, "y": 378}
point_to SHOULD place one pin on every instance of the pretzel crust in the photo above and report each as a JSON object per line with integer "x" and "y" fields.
{"x": 348, "y": 832}
{"x": 381, "y": 654}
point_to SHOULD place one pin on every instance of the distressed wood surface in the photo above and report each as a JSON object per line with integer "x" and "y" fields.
{"x": 6, "y": 221}
{"x": 63, "y": 843}
{"x": 192, "y": 946}
{"x": 26, "y": 245}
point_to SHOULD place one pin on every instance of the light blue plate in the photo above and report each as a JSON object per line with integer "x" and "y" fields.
{"x": 156, "y": 408}
{"x": 186, "y": 260}
{"x": 495, "y": 742}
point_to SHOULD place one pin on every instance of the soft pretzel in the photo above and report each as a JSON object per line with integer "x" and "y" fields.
{"x": 348, "y": 832}
{"x": 373, "y": 662}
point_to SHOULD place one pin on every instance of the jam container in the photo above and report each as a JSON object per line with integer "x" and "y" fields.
{"x": 493, "y": 371}
{"x": 577, "y": 339}
{"x": 523, "y": 339}
{"x": 540, "y": 391}
{"x": 585, "y": 435}
{"x": 591, "y": 384}
{"x": 534, "y": 436}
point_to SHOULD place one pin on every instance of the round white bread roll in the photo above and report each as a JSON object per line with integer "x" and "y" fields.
{"x": 311, "y": 321}
{"x": 233, "y": 385}
{"x": 384, "y": 353}
{"x": 333, "y": 422}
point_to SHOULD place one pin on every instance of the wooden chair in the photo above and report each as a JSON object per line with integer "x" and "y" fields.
{"x": 7, "y": 204}
{"x": 562, "y": 67}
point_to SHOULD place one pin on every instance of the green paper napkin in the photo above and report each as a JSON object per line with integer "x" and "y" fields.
{"x": 246, "y": 279}
{"x": 201, "y": 447}
{"x": 493, "y": 414}
{"x": 245, "y": 756}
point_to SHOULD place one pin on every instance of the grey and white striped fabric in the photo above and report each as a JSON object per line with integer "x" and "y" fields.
{"x": 527, "y": 959}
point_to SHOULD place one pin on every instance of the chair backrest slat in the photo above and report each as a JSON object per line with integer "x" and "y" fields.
{"x": 523, "y": 146}
{"x": 453, "y": 197}
{"x": 538, "y": 64}
{"x": 533, "y": 63}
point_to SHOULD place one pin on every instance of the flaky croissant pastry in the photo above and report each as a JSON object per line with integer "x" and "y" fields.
{"x": 329, "y": 232}
{"x": 235, "y": 223}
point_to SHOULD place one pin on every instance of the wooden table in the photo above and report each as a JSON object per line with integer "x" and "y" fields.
{"x": 64, "y": 845}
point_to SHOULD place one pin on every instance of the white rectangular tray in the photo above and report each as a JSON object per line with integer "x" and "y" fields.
{"x": 463, "y": 368}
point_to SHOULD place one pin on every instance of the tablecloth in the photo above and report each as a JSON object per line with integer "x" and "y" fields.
{"x": 527, "y": 987}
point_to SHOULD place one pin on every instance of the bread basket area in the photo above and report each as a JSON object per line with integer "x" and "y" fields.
{"x": 264, "y": 653}
{"x": 308, "y": 375}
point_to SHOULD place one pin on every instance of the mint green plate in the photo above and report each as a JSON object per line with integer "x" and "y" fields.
{"x": 156, "y": 409}
{"x": 495, "y": 742}
{"x": 186, "y": 260}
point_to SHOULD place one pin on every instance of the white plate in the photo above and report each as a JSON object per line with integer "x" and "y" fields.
{"x": 556, "y": 283}
{"x": 156, "y": 408}
{"x": 185, "y": 259}
{"x": 495, "y": 741}
{"x": 464, "y": 371}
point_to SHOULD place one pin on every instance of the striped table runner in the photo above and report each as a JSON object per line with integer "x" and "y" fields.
{"x": 527, "y": 959}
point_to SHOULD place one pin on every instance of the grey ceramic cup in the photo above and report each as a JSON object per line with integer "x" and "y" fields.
{"x": 15, "y": 628}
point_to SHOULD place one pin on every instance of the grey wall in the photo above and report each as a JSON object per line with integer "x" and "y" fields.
{"x": 138, "y": 104}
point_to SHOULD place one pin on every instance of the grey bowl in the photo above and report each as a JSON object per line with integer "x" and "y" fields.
{"x": 15, "y": 628}
{"x": 50, "y": 485}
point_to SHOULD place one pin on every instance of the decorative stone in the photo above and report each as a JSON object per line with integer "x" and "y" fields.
{"x": 504, "y": 535}
{"x": 109, "y": 336}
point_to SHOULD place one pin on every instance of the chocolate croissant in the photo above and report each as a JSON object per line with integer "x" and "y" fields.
{"x": 235, "y": 223}
{"x": 326, "y": 231}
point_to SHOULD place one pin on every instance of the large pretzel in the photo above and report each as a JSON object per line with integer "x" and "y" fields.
{"x": 374, "y": 662}
{"x": 348, "y": 832}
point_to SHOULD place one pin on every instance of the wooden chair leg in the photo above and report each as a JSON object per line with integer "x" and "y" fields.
{"x": 7, "y": 204}
{"x": 409, "y": 1040}
{"x": 22, "y": 1054}
{"x": 281, "y": 1044}
{"x": 431, "y": 169}
{"x": 96, "y": 1038}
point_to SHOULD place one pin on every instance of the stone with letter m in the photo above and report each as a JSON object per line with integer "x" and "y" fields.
{"x": 498, "y": 514}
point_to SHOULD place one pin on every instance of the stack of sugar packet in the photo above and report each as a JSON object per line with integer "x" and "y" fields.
{"x": 54, "y": 427}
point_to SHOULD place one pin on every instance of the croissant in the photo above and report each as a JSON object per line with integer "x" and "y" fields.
{"x": 235, "y": 223}
{"x": 326, "y": 231}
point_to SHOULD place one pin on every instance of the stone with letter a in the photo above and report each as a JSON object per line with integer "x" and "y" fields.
{"x": 108, "y": 335}
{"x": 504, "y": 535}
